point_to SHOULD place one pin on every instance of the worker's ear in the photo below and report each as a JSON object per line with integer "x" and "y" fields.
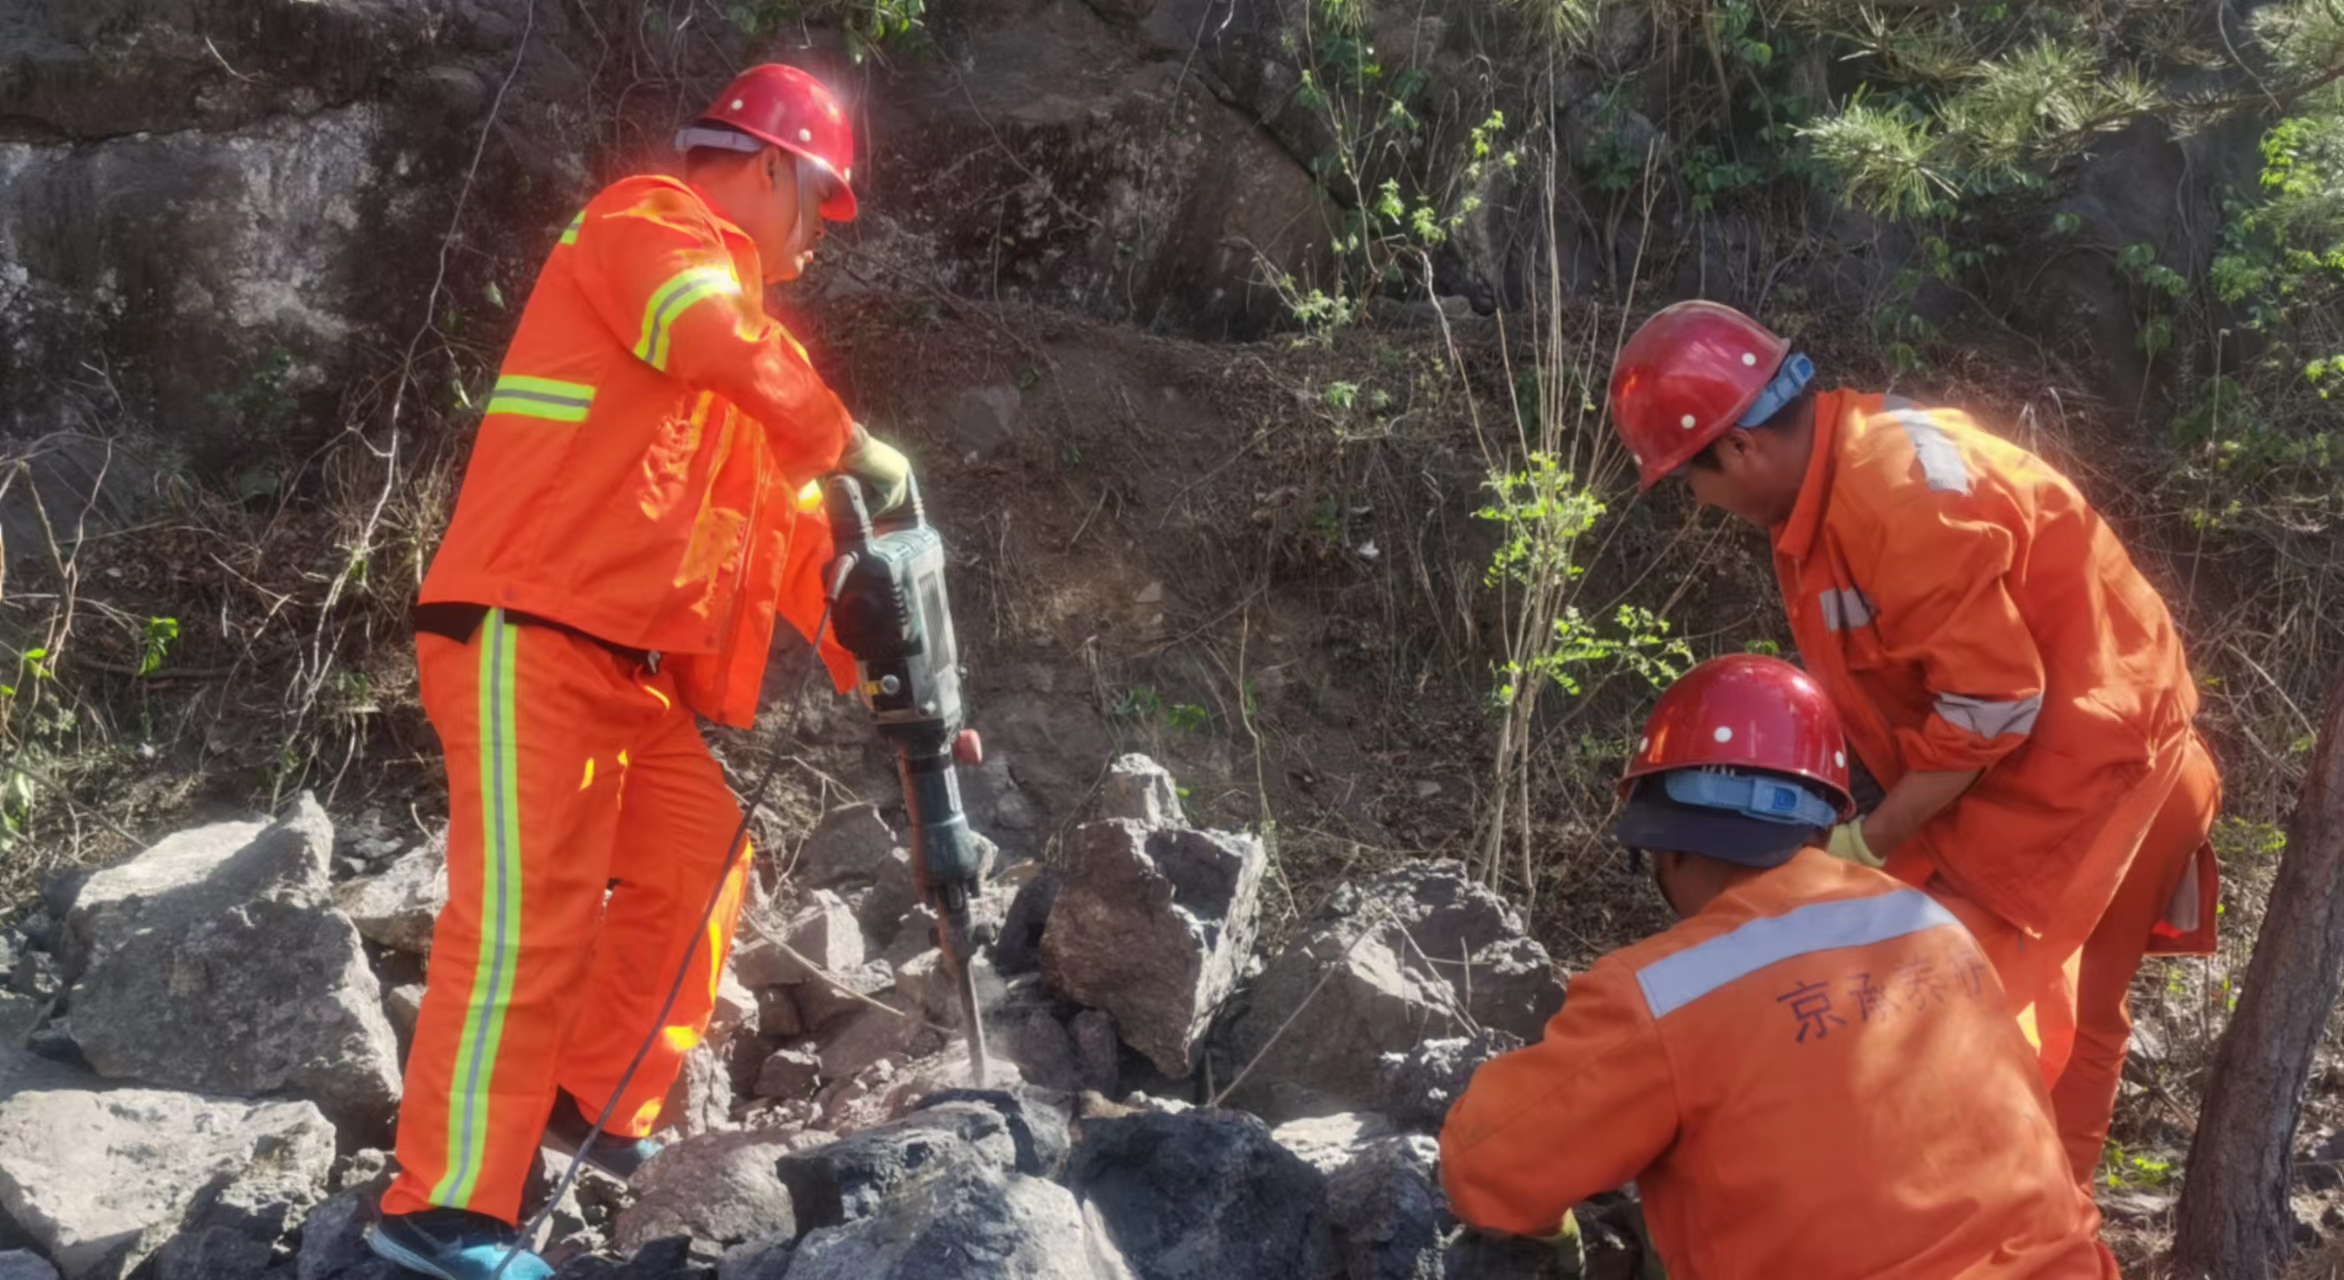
{"x": 1735, "y": 449}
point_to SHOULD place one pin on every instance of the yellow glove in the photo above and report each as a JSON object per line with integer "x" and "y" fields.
{"x": 880, "y": 463}
{"x": 1847, "y": 845}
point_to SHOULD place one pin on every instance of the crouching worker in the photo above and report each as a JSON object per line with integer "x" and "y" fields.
{"x": 1814, "y": 1074}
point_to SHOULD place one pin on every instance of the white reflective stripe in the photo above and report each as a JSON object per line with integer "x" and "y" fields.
{"x": 2181, "y": 911}
{"x": 1941, "y": 464}
{"x": 1675, "y": 981}
{"x": 1845, "y": 609}
{"x": 1990, "y": 719}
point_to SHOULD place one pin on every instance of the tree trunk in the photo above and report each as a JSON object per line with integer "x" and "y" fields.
{"x": 2234, "y": 1221}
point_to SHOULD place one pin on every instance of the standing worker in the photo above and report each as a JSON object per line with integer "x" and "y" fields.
{"x": 1814, "y": 1074}
{"x": 2003, "y": 669}
{"x": 626, "y": 534}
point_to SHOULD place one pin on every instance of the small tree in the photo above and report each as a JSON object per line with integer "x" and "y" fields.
{"x": 2234, "y": 1221}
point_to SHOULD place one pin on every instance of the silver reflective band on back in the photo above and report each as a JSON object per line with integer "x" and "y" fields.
{"x": 1675, "y": 981}
{"x": 1845, "y": 609}
{"x": 1941, "y": 465}
{"x": 1989, "y": 719}
{"x": 700, "y": 135}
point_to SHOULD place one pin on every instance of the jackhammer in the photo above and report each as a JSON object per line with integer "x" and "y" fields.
{"x": 889, "y": 610}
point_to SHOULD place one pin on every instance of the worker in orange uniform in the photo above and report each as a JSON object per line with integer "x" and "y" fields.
{"x": 1813, "y": 1074}
{"x": 626, "y": 536}
{"x": 2003, "y": 669}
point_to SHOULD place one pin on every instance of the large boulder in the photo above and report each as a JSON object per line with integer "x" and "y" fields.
{"x": 1154, "y": 926}
{"x": 1202, "y": 1195}
{"x": 971, "y": 1223}
{"x": 845, "y": 850}
{"x": 397, "y": 908}
{"x": 23, "y": 1264}
{"x": 1143, "y": 791}
{"x": 855, "y": 1177}
{"x": 1420, "y": 953}
{"x": 720, "y": 1188}
{"x": 102, "y": 1180}
{"x": 1388, "y": 1214}
{"x": 216, "y": 962}
{"x": 1417, "y": 1086}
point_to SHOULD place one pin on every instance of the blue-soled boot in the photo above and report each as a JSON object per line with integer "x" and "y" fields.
{"x": 454, "y": 1244}
{"x": 615, "y": 1154}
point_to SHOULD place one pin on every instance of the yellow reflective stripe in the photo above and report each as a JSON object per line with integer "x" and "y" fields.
{"x": 547, "y": 398}
{"x": 570, "y": 233}
{"x": 671, "y": 300}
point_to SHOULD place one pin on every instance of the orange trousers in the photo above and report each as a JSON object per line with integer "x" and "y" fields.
{"x": 587, "y": 825}
{"x": 2072, "y": 994}
{"x": 2084, "y": 1098}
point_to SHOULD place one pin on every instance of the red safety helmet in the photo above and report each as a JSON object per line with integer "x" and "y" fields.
{"x": 1746, "y": 712}
{"x": 796, "y": 112}
{"x": 1688, "y": 375}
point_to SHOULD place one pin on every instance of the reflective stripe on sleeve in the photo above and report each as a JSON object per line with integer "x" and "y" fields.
{"x": 546, "y": 398}
{"x": 1989, "y": 719}
{"x": 671, "y": 300}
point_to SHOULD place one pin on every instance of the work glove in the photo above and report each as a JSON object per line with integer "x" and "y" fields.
{"x": 882, "y": 465}
{"x": 1847, "y": 845}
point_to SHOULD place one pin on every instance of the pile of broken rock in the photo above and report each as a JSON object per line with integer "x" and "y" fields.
{"x": 199, "y": 1058}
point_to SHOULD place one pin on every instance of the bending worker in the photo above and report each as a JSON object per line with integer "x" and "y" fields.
{"x": 626, "y": 535}
{"x": 1813, "y": 1074}
{"x": 2003, "y": 669}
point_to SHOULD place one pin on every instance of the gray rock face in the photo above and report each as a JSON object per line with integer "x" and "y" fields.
{"x": 969, "y": 1221}
{"x": 1019, "y": 948}
{"x": 700, "y": 1101}
{"x": 102, "y": 1180}
{"x": 1140, "y": 790}
{"x": 1329, "y": 1143}
{"x": 1391, "y": 989}
{"x": 1418, "y": 1085}
{"x": 787, "y": 1073}
{"x": 216, "y": 962}
{"x": 867, "y": 1037}
{"x": 845, "y": 850}
{"x": 396, "y": 908}
{"x": 20, "y": 1264}
{"x": 1040, "y": 1126}
{"x": 856, "y": 1177}
{"x": 211, "y": 1253}
{"x": 1097, "y": 1050}
{"x": 1387, "y": 1211}
{"x": 1204, "y": 1195}
{"x": 766, "y": 1259}
{"x": 18, "y": 1016}
{"x": 1154, "y": 927}
{"x": 721, "y": 1188}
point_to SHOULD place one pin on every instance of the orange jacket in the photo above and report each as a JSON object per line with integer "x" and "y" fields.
{"x": 1967, "y": 609}
{"x": 1814, "y": 1076}
{"x": 636, "y": 473}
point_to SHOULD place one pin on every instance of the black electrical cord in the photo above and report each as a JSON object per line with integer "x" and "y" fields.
{"x": 684, "y": 966}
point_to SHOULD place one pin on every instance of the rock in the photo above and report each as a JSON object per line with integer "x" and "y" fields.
{"x": 35, "y": 976}
{"x": 765, "y": 1259}
{"x": 1154, "y": 927}
{"x": 1418, "y": 1085}
{"x": 845, "y": 849}
{"x": 777, "y": 1013}
{"x": 855, "y": 1177}
{"x": 894, "y": 892}
{"x": 1390, "y": 989}
{"x": 1205, "y": 1195}
{"x": 869, "y": 1101}
{"x": 333, "y": 1236}
{"x": 924, "y": 990}
{"x": 735, "y": 1009}
{"x": 824, "y": 932}
{"x": 20, "y": 1264}
{"x": 1387, "y": 1211}
{"x": 968, "y": 1222}
{"x": 1097, "y": 1051}
{"x": 18, "y": 1016}
{"x": 1039, "y": 1121}
{"x": 787, "y": 1073}
{"x": 211, "y": 1253}
{"x": 397, "y": 908}
{"x": 824, "y": 1003}
{"x": 982, "y": 419}
{"x": 1038, "y": 1043}
{"x": 216, "y": 962}
{"x": 867, "y": 1037}
{"x": 143, "y": 1164}
{"x": 22, "y": 1070}
{"x": 670, "y": 1259}
{"x": 1018, "y": 949}
{"x": 1328, "y": 1143}
{"x": 700, "y": 1101}
{"x": 403, "y": 1005}
{"x": 1142, "y": 791}
{"x": 720, "y": 1188}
